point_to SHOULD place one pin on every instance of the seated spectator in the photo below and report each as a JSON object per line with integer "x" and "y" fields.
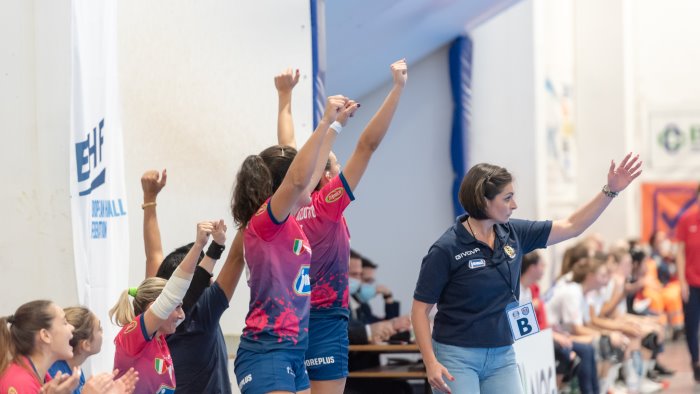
{"x": 368, "y": 289}
{"x": 572, "y": 357}
{"x": 662, "y": 287}
{"x": 371, "y": 329}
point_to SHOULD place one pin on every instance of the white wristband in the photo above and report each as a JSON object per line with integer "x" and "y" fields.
{"x": 337, "y": 127}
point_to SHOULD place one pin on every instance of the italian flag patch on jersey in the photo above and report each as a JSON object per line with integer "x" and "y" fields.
{"x": 160, "y": 366}
{"x": 298, "y": 246}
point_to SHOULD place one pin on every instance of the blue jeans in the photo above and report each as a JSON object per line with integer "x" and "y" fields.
{"x": 479, "y": 370}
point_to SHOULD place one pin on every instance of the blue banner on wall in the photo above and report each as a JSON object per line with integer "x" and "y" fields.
{"x": 461, "y": 82}
{"x": 318, "y": 53}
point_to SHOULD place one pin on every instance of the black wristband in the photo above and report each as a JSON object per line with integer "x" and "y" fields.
{"x": 214, "y": 251}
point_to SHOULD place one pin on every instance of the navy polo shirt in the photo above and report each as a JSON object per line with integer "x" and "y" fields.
{"x": 472, "y": 284}
{"x": 198, "y": 350}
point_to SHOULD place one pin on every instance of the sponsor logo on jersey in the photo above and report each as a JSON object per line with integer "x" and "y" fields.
{"x": 509, "y": 251}
{"x": 130, "y": 327}
{"x": 246, "y": 379}
{"x": 335, "y": 195}
{"x": 261, "y": 210}
{"x": 477, "y": 263}
{"x": 467, "y": 253}
{"x": 302, "y": 282}
{"x": 166, "y": 390}
{"x": 320, "y": 361}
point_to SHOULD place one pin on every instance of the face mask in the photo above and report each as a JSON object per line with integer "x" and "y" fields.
{"x": 353, "y": 285}
{"x": 367, "y": 292}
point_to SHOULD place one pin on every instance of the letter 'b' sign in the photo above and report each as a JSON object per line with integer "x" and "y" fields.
{"x": 522, "y": 320}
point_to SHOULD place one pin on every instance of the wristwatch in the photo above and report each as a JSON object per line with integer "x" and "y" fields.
{"x": 606, "y": 190}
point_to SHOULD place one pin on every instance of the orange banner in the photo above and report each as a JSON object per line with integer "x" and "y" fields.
{"x": 663, "y": 204}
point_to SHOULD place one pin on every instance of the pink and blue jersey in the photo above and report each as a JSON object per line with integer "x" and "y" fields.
{"x": 148, "y": 355}
{"x": 324, "y": 224}
{"x": 278, "y": 257}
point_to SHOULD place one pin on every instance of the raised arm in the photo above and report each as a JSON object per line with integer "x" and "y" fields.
{"x": 298, "y": 177}
{"x": 174, "y": 291}
{"x": 233, "y": 267}
{"x": 152, "y": 183}
{"x": 377, "y": 127}
{"x": 285, "y": 83}
{"x": 323, "y": 157}
{"x": 618, "y": 179}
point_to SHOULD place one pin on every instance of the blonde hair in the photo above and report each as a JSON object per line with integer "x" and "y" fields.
{"x": 84, "y": 322}
{"x": 122, "y": 313}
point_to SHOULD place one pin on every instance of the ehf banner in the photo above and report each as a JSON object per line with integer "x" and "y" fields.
{"x": 98, "y": 192}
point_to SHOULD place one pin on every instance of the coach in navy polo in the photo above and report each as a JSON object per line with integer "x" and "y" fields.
{"x": 472, "y": 272}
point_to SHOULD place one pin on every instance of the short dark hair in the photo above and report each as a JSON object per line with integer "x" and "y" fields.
{"x": 483, "y": 182}
{"x": 367, "y": 263}
{"x": 173, "y": 260}
{"x": 529, "y": 260}
{"x": 355, "y": 255}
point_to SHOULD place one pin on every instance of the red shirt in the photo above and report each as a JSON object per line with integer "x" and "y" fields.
{"x": 688, "y": 232}
{"x": 538, "y": 305}
{"x": 19, "y": 378}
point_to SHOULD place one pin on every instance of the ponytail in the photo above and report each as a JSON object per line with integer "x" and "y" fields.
{"x": 7, "y": 348}
{"x": 17, "y": 331}
{"x": 253, "y": 187}
{"x": 124, "y": 312}
{"x": 259, "y": 177}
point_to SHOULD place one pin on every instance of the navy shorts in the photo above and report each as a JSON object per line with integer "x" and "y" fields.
{"x": 327, "y": 355}
{"x": 276, "y": 370}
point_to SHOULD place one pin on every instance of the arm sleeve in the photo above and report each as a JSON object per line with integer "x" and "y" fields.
{"x": 391, "y": 310}
{"x": 132, "y": 339}
{"x": 265, "y": 224}
{"x": 532, "y": 235}
{"x": 330, "y": 202}
{"x": 433, "y": 277}
{"x": 200, "y": 282}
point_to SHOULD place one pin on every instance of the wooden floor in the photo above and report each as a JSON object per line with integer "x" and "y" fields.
{"x": 676, "y": 357}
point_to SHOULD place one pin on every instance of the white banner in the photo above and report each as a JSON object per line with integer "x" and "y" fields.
{"x": 674, "y": 142}
{"x": 98, "y": 193}
{"x": 535, "y": 358}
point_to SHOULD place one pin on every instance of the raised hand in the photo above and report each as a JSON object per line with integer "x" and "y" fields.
{"x": 347, "y": 112}
{"x": 152, "y": 183}
{"x": 219, "y": 232}
{"x": 334, "y": 104}
{"x": 399, "y": 72}
{"x": 287, "y": 80}
{"x": 204, "y": 229}
{"x": 621, "y": 176}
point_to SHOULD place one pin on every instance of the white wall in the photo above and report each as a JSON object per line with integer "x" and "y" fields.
{"x": 35, "y": 241}
{"x": 197, "y": 97}
{"x": 503, "y": 128}
{"x": 403, "y": 202}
